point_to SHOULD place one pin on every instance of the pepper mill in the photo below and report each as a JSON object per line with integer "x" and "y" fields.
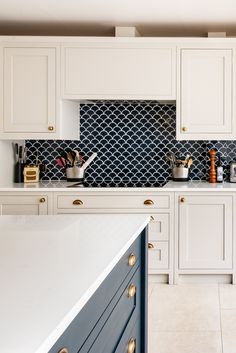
{"x": 212, "y": 174}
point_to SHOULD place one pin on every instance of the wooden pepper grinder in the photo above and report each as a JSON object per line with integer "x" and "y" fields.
{"x": 212, "y": 174}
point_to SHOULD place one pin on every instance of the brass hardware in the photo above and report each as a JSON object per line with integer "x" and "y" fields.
{"x": 42, "y": 200}
{"x": 131, "y": 259}
{"x": 50, "y": 128}
{"x": 184, "y": 129}
{"x": 182, "y": 199}
{"x": 131, "y": 290}
{"x": 77, "y": 202}
{"x": 148, "y": 202}
{"x": 150, "y": 246}
{"x": 131, "y": 345}
{"x": 63, "y": 350}
{"x": 151, "y": 218}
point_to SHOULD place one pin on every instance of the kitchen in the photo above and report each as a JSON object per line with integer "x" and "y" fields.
{"x": 140, "y": 107}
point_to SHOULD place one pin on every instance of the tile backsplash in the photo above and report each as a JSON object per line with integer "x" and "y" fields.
{"x": 131, "y": 139}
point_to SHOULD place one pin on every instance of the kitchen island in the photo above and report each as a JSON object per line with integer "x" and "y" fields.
{"x": 65, "y": 280}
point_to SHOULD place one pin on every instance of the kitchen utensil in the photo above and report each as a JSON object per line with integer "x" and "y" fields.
{"x": 77, "y": 158}
{"x": 61, "y": 162}
{"x": 76, "y": 173}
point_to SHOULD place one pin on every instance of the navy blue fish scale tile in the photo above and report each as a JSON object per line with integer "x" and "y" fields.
{"x": 131, "y": 139}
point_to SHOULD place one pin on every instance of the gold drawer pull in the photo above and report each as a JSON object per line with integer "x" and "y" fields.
{"x": 131, "y": 345}
{"x": 150, "y": 246}
{"x": 182, "y": 199}
{"x": 63, "y": 350}
{"x": 184, "y": 129}
{"x": 131, "y": 290}
{"x": 148, "y": 202}
{"x": 131, "y": 259}
{"x": 77, "y": 202}
{"x": 42, "y": 200}
{"x": 51, "y": 128}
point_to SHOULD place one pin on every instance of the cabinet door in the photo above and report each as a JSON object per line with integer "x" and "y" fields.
{"x": 205, "y": 232}
{"x": 205, "y": 102}
{"x": 29, "y": 89}
{"x": 23, "y": 205}
{"x": 118, "y": 71}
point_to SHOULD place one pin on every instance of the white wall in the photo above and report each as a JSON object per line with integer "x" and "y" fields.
{"x": 7, "y": 162}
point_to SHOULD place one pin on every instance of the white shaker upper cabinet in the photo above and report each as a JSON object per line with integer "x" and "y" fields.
{"x": 205, "y": 232}
{"x": 29, "y": 89}
{"x": 132, "y": 69}
{"x": 205, "y": 108}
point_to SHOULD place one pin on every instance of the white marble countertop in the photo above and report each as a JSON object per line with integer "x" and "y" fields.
{"x": 62, "y": 186}
{"x": 49, "y": 268}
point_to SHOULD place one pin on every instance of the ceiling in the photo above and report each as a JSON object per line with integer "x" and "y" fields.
{"x": 99, "y": 17}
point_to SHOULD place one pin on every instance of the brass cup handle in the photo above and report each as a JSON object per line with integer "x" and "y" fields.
{"x": 50, "y": 128}
{"x": 182, "y": 199}
{"x": 150, "y": 246}
{"x": 131, "y": 259}
{"x": 148, "y": 202}
{"x": 42, "y": 200}
{"x": 131, "y": 290}
{"x": 131, "y": 345}
{"x": 63, "y": 350}
{"x": 77, "y": 202}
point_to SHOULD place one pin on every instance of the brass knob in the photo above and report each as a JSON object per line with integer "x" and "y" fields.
{"x": 63, "y": 350}
{"x": 77, "y": 202}
{"x": 184, "y": 129}
{"x": 148, "y": 202}
{"x": 131, "y": 345}
{"x": 131, "y": 290}
{"x": 150, "y": 246}
{"x": 42, "y": 200}
{"x": 50, "y": 128}
{"x": 182, "y": 199}
{"x": 131, "y": 259}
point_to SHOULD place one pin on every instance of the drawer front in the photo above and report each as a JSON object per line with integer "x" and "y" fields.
{"x": 158, "y": 228}
{"x": 127, "y": 308}
{"x": 112, "y": 202}
{"x": 131, "y": 339}
{"x": 99, "y": 307}
{"x": 158, "y": 255}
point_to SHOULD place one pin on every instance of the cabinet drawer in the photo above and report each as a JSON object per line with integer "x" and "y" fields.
{"x": 158, "y": 255}
{"x": 158, "y": 228}
{"x": 105, "y": 337}
{"x": 112, "y": 202}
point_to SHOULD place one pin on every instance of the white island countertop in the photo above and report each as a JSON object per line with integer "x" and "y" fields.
{"x": 50, "y": 266}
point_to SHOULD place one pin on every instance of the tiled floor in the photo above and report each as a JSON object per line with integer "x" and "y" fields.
{"x": 192, "y": 318}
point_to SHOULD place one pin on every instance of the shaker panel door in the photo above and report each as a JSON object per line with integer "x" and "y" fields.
{"x": 205, "y": 232}
{"x": 205, "y": 100}
{"x": 29, "y": 89}
{"x": 23, "y": 205}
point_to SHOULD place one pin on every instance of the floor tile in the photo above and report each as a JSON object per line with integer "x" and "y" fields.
{"x": 184, "y": 308}
{"x": 185, "y": 342}
{"x": 227, "y": 296}
{"x": 150, "y": 289}
{"x": 228, "y": 320}
{"x": 229, "y": 341}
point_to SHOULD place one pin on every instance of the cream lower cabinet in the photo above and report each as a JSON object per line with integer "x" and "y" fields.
{"x": 159, "y": 206}
{"x": 205, "y": 233}
{"x": 24, "y": 204}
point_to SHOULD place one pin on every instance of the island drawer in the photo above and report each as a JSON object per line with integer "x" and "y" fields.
{"x": 108, "y": 332}
{"x": 110, "y": 296}
{"x": 158, "y": 255}
{"x": 143, "y": 202}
